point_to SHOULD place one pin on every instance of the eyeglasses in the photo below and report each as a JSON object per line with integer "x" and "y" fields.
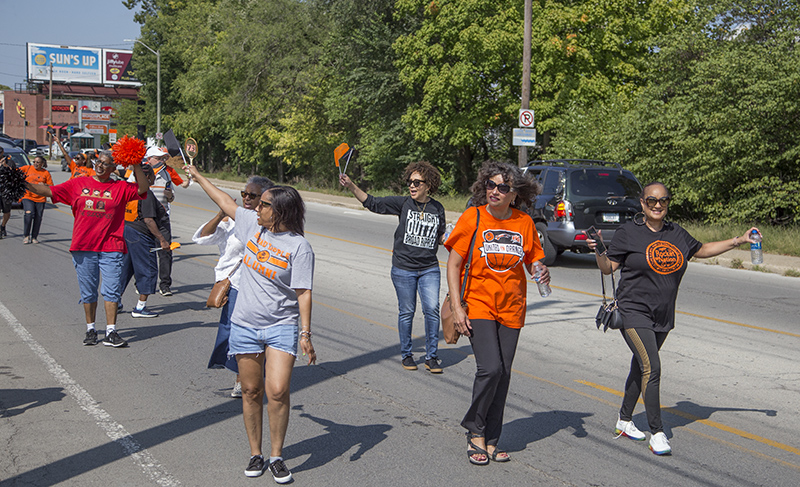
{"x": 502, "y": 187}
{"x": 415, "y": 182}
{"x": 252, "y": 196}
{"x": 651, "y": 201}
{"x": 264, "y": 204}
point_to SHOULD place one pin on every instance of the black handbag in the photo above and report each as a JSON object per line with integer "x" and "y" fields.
{"x": 608, "y": 316}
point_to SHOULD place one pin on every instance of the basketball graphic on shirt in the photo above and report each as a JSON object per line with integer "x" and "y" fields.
{"x": 262, "y": 256}
{"x": 502, "y": 249}
{"x": 663, "y": 257}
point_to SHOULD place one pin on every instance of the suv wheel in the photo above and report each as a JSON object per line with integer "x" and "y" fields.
{"x": 550, "y": 253}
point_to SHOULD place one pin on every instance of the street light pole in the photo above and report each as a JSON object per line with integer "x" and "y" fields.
{"x": 158, "y": 81}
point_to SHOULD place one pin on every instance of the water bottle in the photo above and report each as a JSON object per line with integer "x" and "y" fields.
{"x": 544, "y": 288}
{"x": 756, "y": 254}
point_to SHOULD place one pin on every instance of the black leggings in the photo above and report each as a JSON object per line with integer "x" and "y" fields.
{"x": 645, "y": 375}
{"x": 494, "y": 346}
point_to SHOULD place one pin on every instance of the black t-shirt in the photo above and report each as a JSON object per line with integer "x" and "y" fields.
{"x": 150, "y": 207}
{"x": 417, "y": 237}
{"x": 652, "y": 265}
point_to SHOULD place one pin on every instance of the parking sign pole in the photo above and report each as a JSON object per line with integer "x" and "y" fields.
{"x": 526, "y": 73}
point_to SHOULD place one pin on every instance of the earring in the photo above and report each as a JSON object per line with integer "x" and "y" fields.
{"x": 639, "y": 218}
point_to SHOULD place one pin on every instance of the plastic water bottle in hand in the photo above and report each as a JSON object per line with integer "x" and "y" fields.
{"x": 756, "y": 254}
{"x": 448, "y": 230}
{"x": 544, "y": 288}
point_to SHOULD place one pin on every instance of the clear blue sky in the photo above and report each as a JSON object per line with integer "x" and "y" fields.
{"x": 81, "y": 23}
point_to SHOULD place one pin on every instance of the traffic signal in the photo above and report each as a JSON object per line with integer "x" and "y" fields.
{"x": 22, "y": 112}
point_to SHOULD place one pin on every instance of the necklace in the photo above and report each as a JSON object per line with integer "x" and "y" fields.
{"x": 421, "y": 210}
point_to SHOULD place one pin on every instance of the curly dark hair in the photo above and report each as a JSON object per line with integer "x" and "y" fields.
{"x": 288, "y": 209}
{"x": 429, "y": 173}
{"x": 523, "y": 184}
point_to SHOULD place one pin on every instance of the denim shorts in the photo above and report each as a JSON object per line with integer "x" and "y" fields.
{"x": 90, "y": 266}
{"x": 246, "y": 340}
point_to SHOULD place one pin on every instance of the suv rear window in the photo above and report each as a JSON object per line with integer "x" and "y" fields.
{"x": 603, "y": 183}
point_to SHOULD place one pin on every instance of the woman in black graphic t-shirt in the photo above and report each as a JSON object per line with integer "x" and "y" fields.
{"x": 653, "y": 255}
{"x": 415, "y": 268}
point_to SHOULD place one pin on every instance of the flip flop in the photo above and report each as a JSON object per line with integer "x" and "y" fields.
{"x": 476, "y": 450}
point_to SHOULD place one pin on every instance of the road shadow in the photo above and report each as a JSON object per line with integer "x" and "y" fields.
{"x": 14, "y": 402}
{"x": 520, "y": 433}
{"x": 338, "y": 439}
{"x": 687, "y": 412}
{"x": 572, "y": 260}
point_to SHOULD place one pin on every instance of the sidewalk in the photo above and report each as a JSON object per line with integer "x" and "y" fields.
{"x": 773, "y": 263}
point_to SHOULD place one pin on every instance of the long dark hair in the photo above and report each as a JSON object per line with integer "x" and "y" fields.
{"x": 288, "y": 209}
{"x": 526, "y": 187}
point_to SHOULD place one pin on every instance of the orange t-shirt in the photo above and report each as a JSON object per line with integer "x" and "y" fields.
{"x": 173, "y": 174}
{"x": 497, "y": 284}
{"x": 34, "y": 176}
{"x": 78, "y": 171}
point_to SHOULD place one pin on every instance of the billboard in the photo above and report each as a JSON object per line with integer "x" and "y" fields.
{"x": 70, "y": 64}
{"x": 117, "y": 68}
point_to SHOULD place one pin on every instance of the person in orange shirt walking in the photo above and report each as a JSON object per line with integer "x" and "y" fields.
{"x": 33, "y": 204}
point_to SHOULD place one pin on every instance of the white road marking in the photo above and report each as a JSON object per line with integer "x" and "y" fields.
{"x": 113, "y": 430}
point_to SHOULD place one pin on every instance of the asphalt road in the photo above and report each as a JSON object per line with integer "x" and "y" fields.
{"x": 153, "y": 414}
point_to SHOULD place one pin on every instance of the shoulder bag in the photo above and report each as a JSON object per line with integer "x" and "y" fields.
{"x": 448, "y": 326}
{"x": 219, "y": 293}
{"x": 608, "y": 316}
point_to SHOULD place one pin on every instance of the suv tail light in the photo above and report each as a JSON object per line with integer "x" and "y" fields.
{"x": 563, "y": 211}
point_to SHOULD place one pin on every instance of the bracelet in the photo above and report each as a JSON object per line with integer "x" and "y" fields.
{"x": 306, "y": 334}
{"x": 736, "y": 241}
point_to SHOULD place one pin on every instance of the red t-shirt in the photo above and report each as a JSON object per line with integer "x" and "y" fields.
{"x": 497, "y": 283}
{"x": 99, "y": 211}
{"x": 34, "y": 176}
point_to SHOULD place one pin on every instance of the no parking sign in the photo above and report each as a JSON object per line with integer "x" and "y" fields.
{"x": 526, "y": 118}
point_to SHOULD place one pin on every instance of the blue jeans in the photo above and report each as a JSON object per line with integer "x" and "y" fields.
{"x": 90, "y": 266}
{"x": 33, "y": 217}
{"x": 219, "y": 357}
{"x": 406, "y": 285}
{"x": 140, "y": 262}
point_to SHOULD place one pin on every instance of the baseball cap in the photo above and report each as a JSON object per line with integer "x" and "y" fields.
{"x": 154, "y": 151}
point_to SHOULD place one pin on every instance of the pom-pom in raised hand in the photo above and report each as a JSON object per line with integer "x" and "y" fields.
{"x": 128, "y": 151}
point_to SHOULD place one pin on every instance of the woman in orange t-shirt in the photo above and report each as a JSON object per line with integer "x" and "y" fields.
{"x": 506, "y": 244}
{"x": 33, "y": 204}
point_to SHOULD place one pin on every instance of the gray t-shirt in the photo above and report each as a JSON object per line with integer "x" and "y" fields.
{"x": 274, "y": 265}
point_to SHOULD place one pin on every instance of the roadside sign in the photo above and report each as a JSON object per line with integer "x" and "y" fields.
{"x": 526, "y": 137}
{"x": 112, "y": 136}
{"x": 159, "y": 136}
{"x": 526, "y": 118}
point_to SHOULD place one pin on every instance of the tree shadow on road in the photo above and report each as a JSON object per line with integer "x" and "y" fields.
{"x": 520, "y": 433}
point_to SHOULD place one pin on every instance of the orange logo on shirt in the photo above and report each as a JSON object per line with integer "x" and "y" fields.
{"x": 663, "y": 257}
{"x": 262, "y": 256}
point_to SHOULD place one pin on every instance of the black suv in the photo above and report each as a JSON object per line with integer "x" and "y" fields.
{"x": 578, "y": 194}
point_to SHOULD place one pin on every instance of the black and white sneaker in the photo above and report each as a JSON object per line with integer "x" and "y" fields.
{"x": 114, "y": 340}
{"x": 165, "y": 291}
{"x": 280, "y": 473}
{"x": 256, "y": 466}
{"x": 91, "y": 337}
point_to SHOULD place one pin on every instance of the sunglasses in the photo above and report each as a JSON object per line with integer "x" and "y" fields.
{"x": 252, "y": 196}
{"x": 651, "y": 201}
{"x": 502, "y": 187}
{"x": 264, "y": 204}
{"x": 415, "y": 182}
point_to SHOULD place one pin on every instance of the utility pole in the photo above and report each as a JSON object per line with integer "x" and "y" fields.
{"x": 526, "y": 73}
{"x": 50, "y": 112}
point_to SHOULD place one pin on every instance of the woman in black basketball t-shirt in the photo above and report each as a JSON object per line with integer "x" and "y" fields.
{"x": 653, "y": 255}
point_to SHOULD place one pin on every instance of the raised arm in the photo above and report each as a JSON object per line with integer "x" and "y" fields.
{"x": 225, "y": 202}
{"x": 141, "y": 179}
{"x": 345, "y": 181}
{"x": 211, "y": 227}
{"x": 713, "y": 249}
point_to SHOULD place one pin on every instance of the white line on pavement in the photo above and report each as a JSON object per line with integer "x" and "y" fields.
{"x": 113, "y": 430}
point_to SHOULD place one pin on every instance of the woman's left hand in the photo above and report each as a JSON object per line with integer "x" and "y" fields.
{"x": 545, "y": 277}
{"x": 308, "y": 349}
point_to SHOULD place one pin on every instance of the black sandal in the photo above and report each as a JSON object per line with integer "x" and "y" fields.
{"x": 498, "y": 451}
{"x": 476, "y": 450}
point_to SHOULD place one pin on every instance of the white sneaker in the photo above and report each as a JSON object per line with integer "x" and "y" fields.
{"x": 627, "y": 428}
{"x": 659, "y": 444}
{"x": 237, "y": 390}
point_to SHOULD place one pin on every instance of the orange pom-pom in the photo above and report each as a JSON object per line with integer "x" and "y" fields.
{"x": 128, "y": 151}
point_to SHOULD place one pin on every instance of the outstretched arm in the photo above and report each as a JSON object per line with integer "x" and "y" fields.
{"x": 40, "y": 189}
{"x": 713, "y": 249}
{"x": 345, "y": 181}
{"x": 225, "y": 202}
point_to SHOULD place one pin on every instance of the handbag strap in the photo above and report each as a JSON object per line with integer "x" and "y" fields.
{"x": 234, "y": 268}
{"x": 613, "y": 286}
{"x": 469, "y": 256}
